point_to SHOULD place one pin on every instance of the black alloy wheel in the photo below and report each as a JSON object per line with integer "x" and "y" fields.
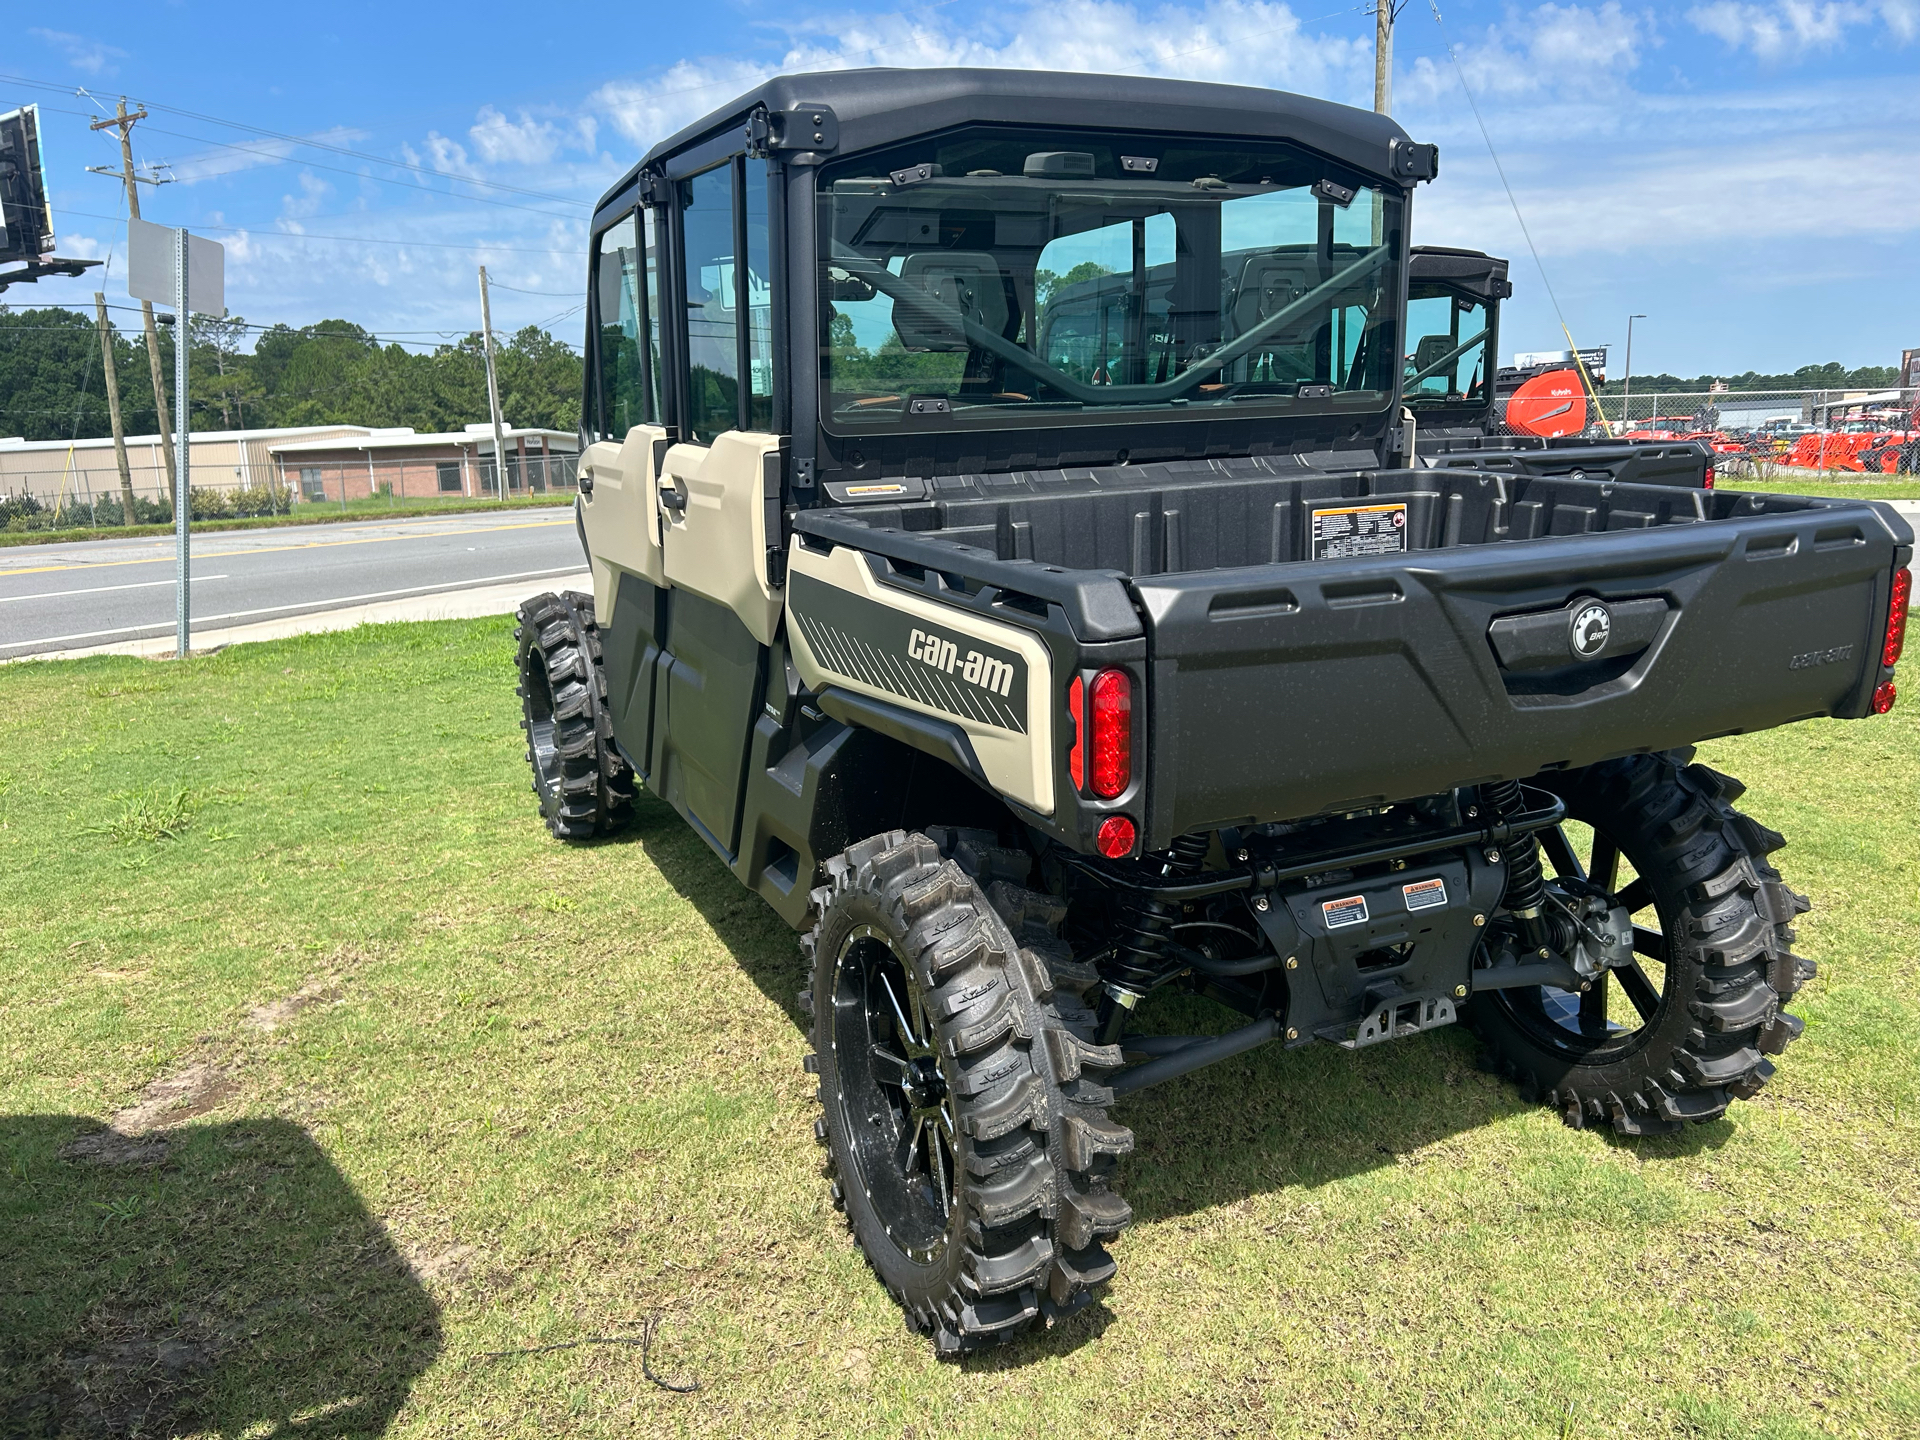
{"x": 1687, "y": 1027}
{"x": 584, "y": 784}
{"x": 964, "y": 1119}
{"x": 1590, "y": 1022}
{"x": 894, "y": 1101}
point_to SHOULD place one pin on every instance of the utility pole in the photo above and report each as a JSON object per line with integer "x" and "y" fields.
{"x": 113, "y": 408}
{"x": 124, "y": 123}
{"x": 493, "y": 387}
{"x": 1626, "y": 384}
{"x": 1383, "y": 57}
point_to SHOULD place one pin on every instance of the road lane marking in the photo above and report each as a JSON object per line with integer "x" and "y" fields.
{"x": 277, "y": 549}
{"x": 100, "y": 589}
{"x": 317, "y": 605}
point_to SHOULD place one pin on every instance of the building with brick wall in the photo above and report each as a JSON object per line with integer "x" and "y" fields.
{"x": 404, "y": 464}
{"x": 75, "y": 471}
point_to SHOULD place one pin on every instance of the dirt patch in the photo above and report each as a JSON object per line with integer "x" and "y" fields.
{"x": 168, "y": 1101}
{"x": 449, "y": 1265}
{"x": 174, "y": 1098}
{"x": 110, "y": 1147}
{"x": 275, "y": 1013}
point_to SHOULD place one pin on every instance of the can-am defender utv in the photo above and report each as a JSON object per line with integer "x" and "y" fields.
{"x": 1031, "y": 661}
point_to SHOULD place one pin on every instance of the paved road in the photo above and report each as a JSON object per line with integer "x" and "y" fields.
{"x": 96, "y": 592}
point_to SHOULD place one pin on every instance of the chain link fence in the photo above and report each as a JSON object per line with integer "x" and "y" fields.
{"x": 91, "y": 498}
{"x": 1756, "y": 435}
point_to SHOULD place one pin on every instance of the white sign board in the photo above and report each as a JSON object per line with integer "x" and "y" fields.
{"x": 151, "y": 253}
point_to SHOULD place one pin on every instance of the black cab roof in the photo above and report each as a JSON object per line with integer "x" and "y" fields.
{"x": 811, "y": 117}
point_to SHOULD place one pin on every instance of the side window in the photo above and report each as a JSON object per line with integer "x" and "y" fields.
{"x": 759, "y": 414}
{"x": 719, "y": 210}
{"x": 1447, "y": 361}
{"x": 627, "y": 348}
{"x": 712, "y": 350}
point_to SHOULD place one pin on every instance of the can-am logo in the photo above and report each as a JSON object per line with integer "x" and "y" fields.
{"x": 1592, "y": 627}
{"x": 982, "y": 670}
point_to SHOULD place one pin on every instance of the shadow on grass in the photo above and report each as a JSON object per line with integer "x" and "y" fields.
{"x": 765, "y": 946}
{"x": 1269, "y": 1120}
{"x": 220, "y": 1277}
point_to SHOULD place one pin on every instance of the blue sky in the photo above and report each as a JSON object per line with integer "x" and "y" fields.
{"x": 1742, "y": 173}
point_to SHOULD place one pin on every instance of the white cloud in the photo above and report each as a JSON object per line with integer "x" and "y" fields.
{"x": 527, "y": 141}
{"x": 93, "y": 57}
{"x": 1559, "y": 50}
{"x": 1237, "y": 41}
{"x": 296, "y": 208}
{"x": 1784, "y": 29}
{"x": 252, "y": 154}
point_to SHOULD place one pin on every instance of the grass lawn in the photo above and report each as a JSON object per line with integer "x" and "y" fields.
{"x": 437, "y": 1087}
{"x": 1837, "y": 483}
{"x": 311, "y": 512}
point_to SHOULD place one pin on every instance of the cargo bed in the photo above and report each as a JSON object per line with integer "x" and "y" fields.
{"x": 1319, "y": 641}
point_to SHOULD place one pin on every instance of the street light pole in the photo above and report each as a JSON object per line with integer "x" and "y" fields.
{"x": 1626, "y": 386}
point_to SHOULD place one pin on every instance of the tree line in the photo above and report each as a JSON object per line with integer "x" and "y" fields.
{"x": 1830, "y": 376}
{"x": 330, "y": 373}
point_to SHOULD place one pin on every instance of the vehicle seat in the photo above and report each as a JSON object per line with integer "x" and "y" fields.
{"x": 1267, "y": 282}
{"x": 967, "y": 280}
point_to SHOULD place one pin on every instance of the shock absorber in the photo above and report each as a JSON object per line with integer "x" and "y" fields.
{"x": 1526, "y": 885}
{"x": 1143, "y": 957}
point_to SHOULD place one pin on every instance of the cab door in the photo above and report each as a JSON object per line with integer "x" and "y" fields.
{"x": 722, "y": 609}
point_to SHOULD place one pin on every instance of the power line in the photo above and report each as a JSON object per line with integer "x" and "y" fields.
{"x": 1499, "y": 169}
{"x": 294, "y": 140}
{"x": 256, "y": 233}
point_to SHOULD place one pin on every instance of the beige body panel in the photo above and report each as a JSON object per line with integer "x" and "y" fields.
{"x": 622, "y": 513}
{"x": 1014, "y": 743}
{"x": 717, "y": 546}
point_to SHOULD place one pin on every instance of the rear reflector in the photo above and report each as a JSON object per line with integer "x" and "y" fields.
{"x": 1897, "y": 616}
{"x": 1115, "y": 837}
{"x": 1112, "y": 735}
{"x": 1882, "y": 703}
{"x": 1077, "y": 757}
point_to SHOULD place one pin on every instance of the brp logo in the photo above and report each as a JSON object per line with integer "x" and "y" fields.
{"x": 1592, "y": 627}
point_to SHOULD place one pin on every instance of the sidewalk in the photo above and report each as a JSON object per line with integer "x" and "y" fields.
{"x": 447, "y": 605}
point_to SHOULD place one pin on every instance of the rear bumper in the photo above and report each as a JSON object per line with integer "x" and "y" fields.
{"x": 1277, "y": 692}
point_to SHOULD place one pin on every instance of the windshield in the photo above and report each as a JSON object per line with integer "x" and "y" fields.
{"x": 1446, "y": 361}
{"x": 990, "y": 275}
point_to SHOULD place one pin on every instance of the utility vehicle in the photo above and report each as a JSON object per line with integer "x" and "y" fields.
{"x": 1035, "y": 662}
{"x": 1464, "y": 422}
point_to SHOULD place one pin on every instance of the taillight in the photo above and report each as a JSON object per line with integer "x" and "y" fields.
{"x": 1882, "y": 699}
{"x": 1112, "y": 705}
{"x": 1077, "y": 757}
{"x": 1115, "y": 837}
{"x": 1708, "y": 483}
{"x": 1897, "y": 616}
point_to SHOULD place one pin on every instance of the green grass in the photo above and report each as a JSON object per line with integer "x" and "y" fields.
{"x": 1836, "y": 483}
{"x": 445, "y": 1088}
{"x": 311, "y": 512}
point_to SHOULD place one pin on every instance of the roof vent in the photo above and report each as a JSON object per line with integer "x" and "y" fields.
{"x": 1058, "y": 164}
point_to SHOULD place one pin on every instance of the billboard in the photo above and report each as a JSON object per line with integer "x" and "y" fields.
{"x": 1910, "y": 369}
{"x": 26, "y": 220}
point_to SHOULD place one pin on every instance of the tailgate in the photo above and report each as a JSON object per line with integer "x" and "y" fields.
{"x": 1283, "y": 691}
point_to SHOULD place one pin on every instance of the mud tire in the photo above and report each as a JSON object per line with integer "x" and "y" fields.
{"x": 1033, "y": 1202}
{"x": 1727, "y": 937}
{"x": 584, "y": 785}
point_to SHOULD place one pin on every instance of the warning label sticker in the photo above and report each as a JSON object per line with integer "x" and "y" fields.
{"x": 1425, "y": 894}
{"x": 1359, "y": 530}
{"x": 1350, "y": 911}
